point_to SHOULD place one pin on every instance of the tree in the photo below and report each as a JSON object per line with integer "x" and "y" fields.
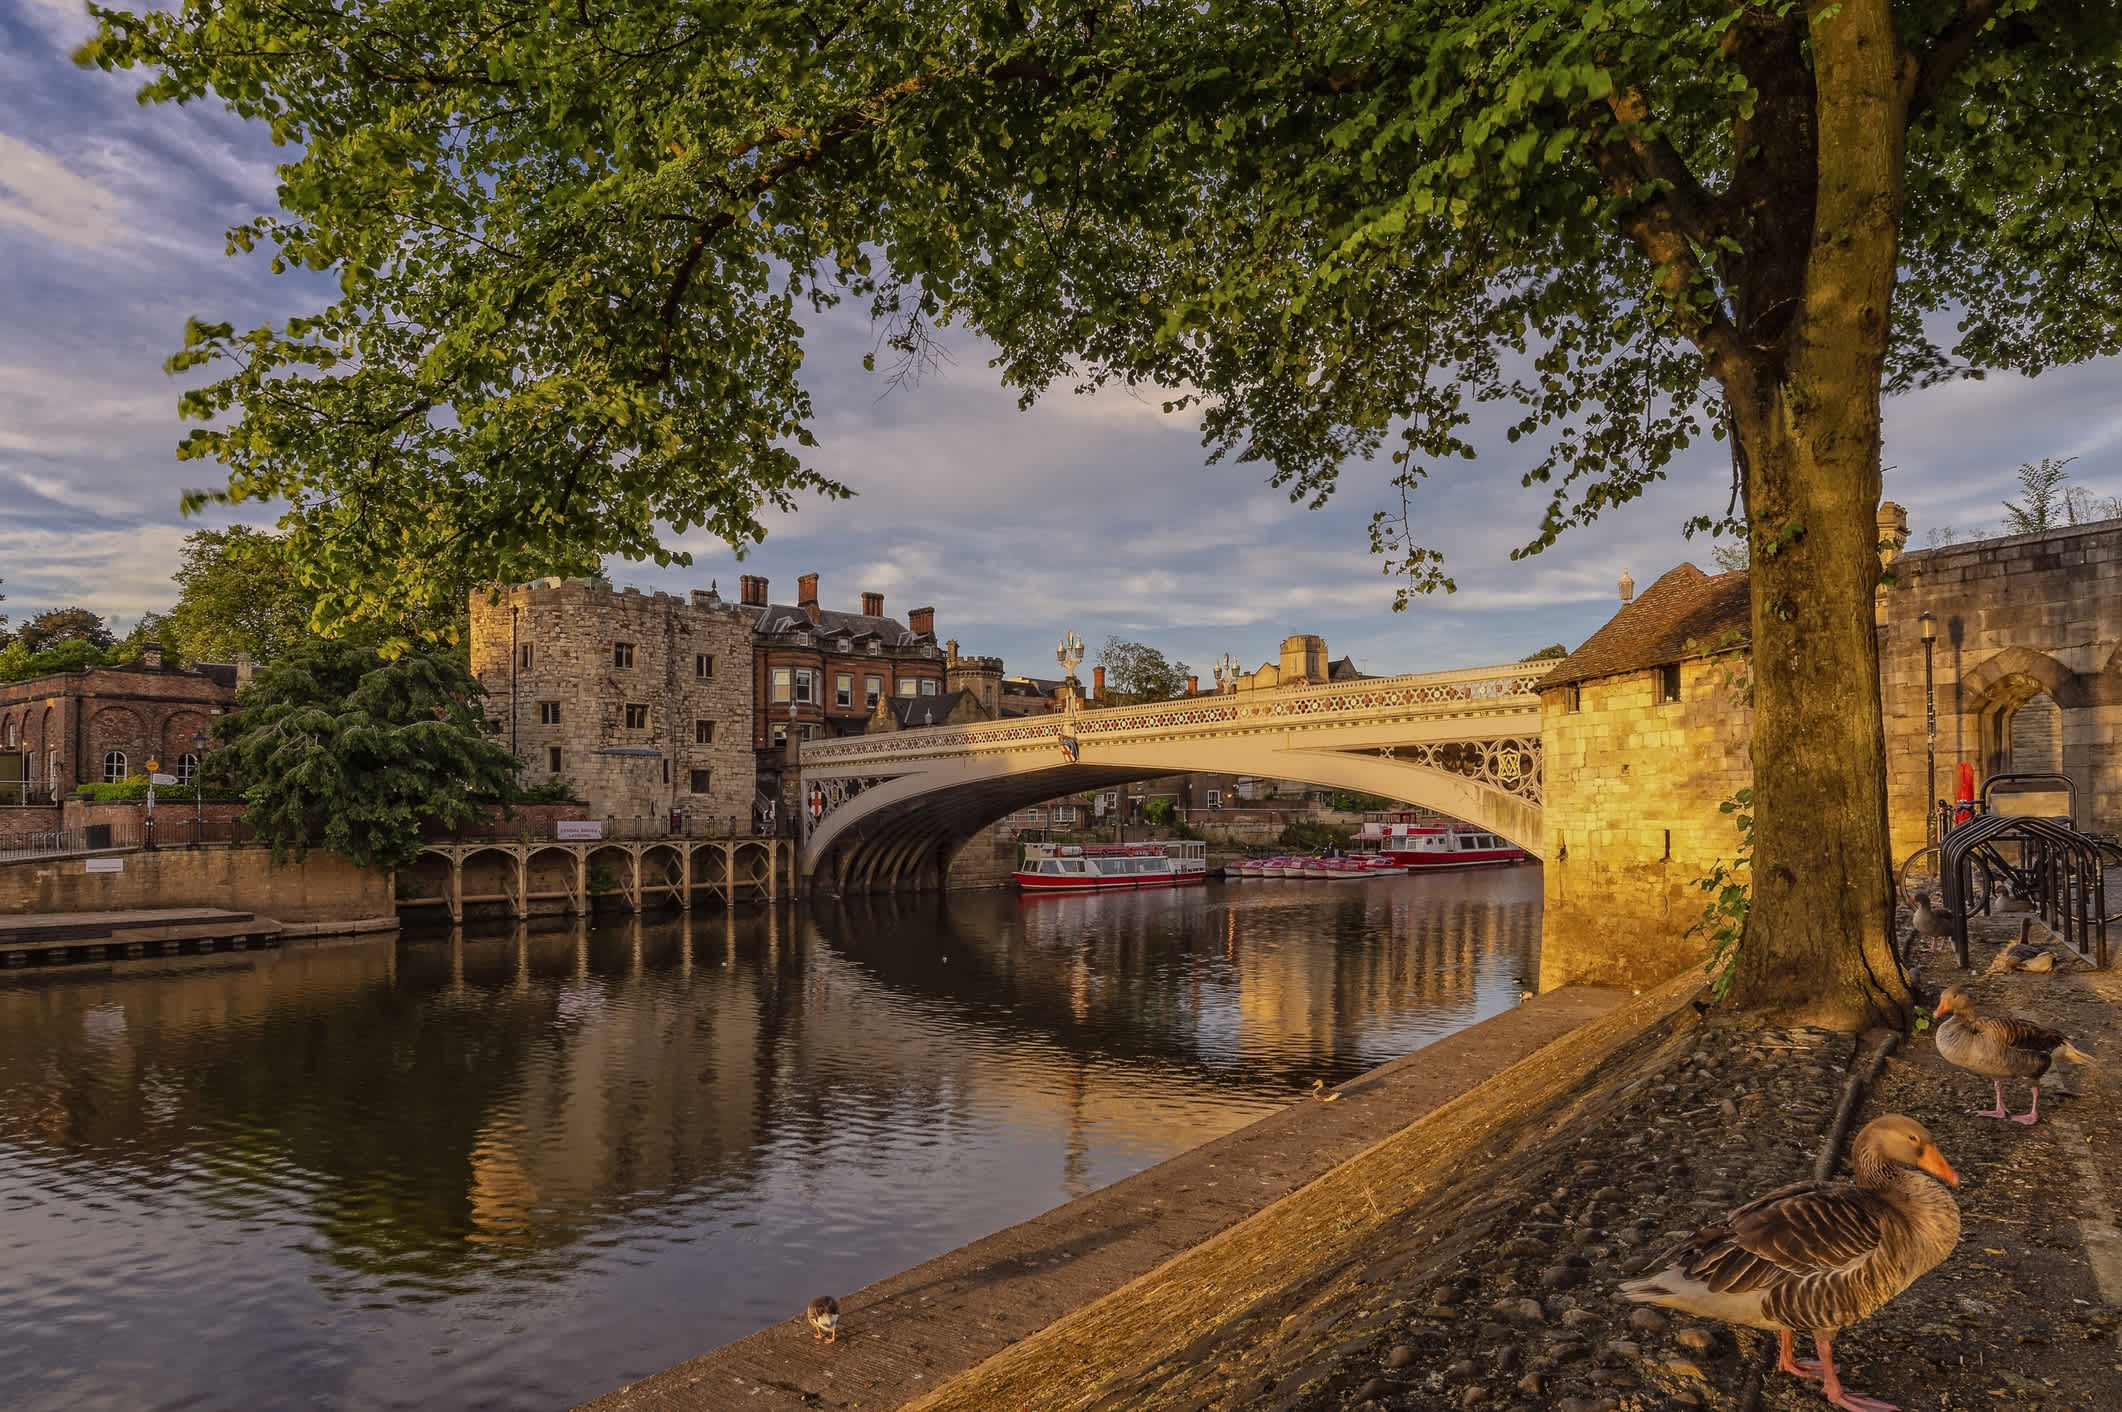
{"x": 572, "y": 241}
{"x": 1135, "y": 673}
{"x": 237, "y": 592}
{"x": 56, "y": 625}
{"x": 1553, "y": 652}
{"x": 5, "y": 636}
{"x": 333, "y": 744}
{"x": 2044, "y": 503}
{"x": 2080, "y": 505}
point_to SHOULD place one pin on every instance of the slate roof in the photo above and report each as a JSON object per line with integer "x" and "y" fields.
{"x": 777, "y": 618}
{"x": 926, "y": 710}
{"x": 1684, "y": 606}
{"x": 219, "y": 673}
{"x": 1345, "y": 670}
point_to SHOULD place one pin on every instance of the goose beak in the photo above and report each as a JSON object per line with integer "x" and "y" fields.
{"x": 1940, "y": 1012}
{"x": 1933, "y": 1161}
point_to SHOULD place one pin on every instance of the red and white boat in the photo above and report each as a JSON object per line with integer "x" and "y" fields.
{"x": 1419, "y": 847}
{"x": 1067, "y": 867}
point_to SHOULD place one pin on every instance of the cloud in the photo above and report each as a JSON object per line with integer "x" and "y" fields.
{"x": 38, "y": 194}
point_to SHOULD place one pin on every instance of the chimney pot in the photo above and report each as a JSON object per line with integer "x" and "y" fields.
{"x": 807, "y": 596}
{"x": 151, "y": 655}
{"x": 751, "y": 590}
{"x": 1097, "y": 683}
{"x": 872, "y": 605}
{"x": 243, "y": 669}
{"x": 922, "y": 622}
{"x": 1193, "y": 686}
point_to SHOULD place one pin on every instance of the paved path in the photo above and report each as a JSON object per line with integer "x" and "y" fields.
{"x": 904, "y": 1335}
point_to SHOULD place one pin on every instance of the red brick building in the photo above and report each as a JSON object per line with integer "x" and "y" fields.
{"x": 106, "y": 723}
{"x": 823, "y": 671}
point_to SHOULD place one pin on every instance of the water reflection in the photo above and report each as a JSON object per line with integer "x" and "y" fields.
{"x": 519, "y": 1170}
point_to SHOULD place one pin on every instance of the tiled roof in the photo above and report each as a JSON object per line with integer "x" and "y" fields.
{"x": 778, "y": 618}
{"x": 1686, "y": 613}
{"x": 1345, "y": 670}
{"x": 926, "y": 710}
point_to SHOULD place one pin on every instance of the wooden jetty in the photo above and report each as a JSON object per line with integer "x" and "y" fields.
{"x": 51, "y": 937}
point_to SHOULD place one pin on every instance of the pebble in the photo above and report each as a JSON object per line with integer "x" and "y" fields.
{"x": 1648, "y": 1321}
{"x": 1728, "y": 1108}
{"x": 1460, "y": 1371}
{"x": 1473, "y": 1397}
{"x": 1530, "y": 1309}
{"x": 1492, "y": 1333}
{"x": 1376, "y": 1387}
{"x": 1682, "y": 1368}
{"x": 1623, "y": 1348}
{"x": 1523, "y": 1245}
{"x": 1561, "y": 1276}
{"x": 1580, "y": 1318}
{"x": 1532, "y": 1384}
{"x": 1698, "y": 1340}
{"x": 1400, "y": 1355}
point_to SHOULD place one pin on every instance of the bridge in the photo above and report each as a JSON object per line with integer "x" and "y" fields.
{"x": 884, "y": 813}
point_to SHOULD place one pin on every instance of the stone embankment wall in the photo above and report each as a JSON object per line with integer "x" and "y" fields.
{"x": 1632, "y": 785}
{"x": 322, "y": 888}
{"x": 2029, "y": 633}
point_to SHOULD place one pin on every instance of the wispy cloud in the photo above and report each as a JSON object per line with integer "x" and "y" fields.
{"x": 38, "y": 194}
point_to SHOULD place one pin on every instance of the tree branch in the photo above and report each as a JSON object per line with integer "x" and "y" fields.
{"x": 1928, "y": 75}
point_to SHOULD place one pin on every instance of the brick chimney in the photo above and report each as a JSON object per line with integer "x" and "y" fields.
{"x": 872, "y": 605}
{"x": 751, "y": 591}
{"x": 151, "y": 656}
{"x": 807, "y": 596}
{"x": 243, "y": 669}
{"x": 922, "y": 621}
{"x": 1193, "y": 686}
{"x": 1097, "y": 683}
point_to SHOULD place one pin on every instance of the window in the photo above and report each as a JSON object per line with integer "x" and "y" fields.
{"x": 806, "y": 731}
{"x": 1669, "y": 682}
{"x": 908, "y": 687}
{"x": 1064, "y": 813}
{"x": 872, "y": 690}
{"x": 113, "y": 766}
{"x": 704, "y": 665}
{"x": 622, "y": 654}
{"x": 666, "y": 772}
{"x": 187, "y": 767}
{"x": 11, "y": 733}
{"x": 636, "y": 717}
{"x": 525, "y": 656}
{"x": 928, "y": 686}
{"x": 780, "y": 735}
{"x": 781, "y": 680}
{"x": 1215, "y": 799}
{"x": 700, "y": 781}
{"x": 803, "y": 686}
{"x": 703, "y": 732}
{"x": 846, "y": 645}
{"x": 875, "y": 648}
{"x": 548, "y": 713}
{"x": 552, "y": 758}
{"x": 843, "y": 690}
{"x": 1572, "y": 698}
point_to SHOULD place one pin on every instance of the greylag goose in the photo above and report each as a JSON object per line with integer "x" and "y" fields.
{"x": 1820, "y": 1256}
{"x": 2023, "y": 956}
{"x": 1933, "y": 921}
{"x": 1319, "y": 1093}
{"x": 1999, "y": 1047}
{"x": 824, "y": 1317}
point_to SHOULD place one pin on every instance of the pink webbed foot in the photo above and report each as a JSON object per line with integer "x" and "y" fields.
{"x": 1795, "y": 1366}
{"x": 1832, "y": 1389}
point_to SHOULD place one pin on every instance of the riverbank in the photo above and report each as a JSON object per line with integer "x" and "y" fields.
{"x": 1411, "y": 1278}
{"x": 903, "y": 1335}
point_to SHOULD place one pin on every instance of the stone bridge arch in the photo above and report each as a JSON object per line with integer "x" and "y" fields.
{"x": 888, "y": 813}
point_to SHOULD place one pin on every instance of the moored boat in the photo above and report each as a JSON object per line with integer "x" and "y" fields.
{"x": 1420, "y": 847}
{"x": 1058, "y": 867}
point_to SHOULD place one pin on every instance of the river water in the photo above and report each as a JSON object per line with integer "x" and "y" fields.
{"x": 518, "y": 1170}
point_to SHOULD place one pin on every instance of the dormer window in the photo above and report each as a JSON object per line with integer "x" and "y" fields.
{"x": 875, "y": 647}
{"x": 802, "y": 639}
{"x": 846, "y": 646}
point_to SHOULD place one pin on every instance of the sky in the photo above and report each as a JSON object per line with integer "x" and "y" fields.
{"x": 1091, "y": 514}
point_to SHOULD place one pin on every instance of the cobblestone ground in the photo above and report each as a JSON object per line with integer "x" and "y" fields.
{"x": 1505, "y": 1297}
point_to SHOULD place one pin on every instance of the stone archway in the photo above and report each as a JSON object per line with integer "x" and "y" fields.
{"x": 2020, "y": 701}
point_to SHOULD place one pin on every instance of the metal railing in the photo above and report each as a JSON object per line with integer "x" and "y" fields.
{"x": 25, "y": 792}
{"x": 637, "y": 828}
{"x": 95, "y": 838}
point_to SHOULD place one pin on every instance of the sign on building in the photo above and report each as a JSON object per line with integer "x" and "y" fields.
{"x": 578, "y": 830}
{"x": 103, "y": 865}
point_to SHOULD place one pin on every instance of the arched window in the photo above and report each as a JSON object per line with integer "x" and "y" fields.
{"x": 113, "y": 766}
{"x": 10, "y": 742}
{"x": 187, "y": 767}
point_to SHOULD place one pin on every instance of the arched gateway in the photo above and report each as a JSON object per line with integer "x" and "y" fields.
{"x": 887, "y": 812}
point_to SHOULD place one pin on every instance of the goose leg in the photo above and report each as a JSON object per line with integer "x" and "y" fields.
{"x": 2032, "y": 1115}
{"x": 1831, "y": 1385}
{"x": 1997, "y": 1112}
{"x": 1797, "y": 1367}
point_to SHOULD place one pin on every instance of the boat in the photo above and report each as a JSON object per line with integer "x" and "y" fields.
{"x": 1376, "y": 865}
{"x": 1421, "y": 847}
{"x": 1314, "y": 868}
{"x": 1059, "y": 867}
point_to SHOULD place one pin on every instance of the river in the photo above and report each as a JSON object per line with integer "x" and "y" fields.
{"x": 518, "y": 1170}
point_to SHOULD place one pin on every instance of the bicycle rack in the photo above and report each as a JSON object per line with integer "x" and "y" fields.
{"x": 2068, "y": 868}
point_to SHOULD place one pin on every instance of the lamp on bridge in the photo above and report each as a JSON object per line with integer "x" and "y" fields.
{"x": 1927, "y": 625}
{"x": 1226, "y": 673}
{"x": 1627, "y": 586}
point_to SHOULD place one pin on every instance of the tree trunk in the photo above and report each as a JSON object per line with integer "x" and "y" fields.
{"x": 1818, "y": 946}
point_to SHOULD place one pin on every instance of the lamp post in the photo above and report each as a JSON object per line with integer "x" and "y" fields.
{"x": 198, "y": 788}
{"x": 1927, "y": 624}
{"x": 152, "y": 766}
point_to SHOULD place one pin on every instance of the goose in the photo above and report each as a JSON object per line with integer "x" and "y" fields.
{"x": 1820, "y": 1256}
{"x": 824, "y": 1317}
{"x": 1933, "y": 921}
{"x": 2000, "y": 1047}
{"x": 2023, "y": 956}
{"x": 1320, "y": 1095}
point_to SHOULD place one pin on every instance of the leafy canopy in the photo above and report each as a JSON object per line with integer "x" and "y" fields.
{"x": 574, "y": 244}
{"x": 237, "y": 592}
{"x": 54, "y": 626}
{"x": 1136, "y": 673}
{"x": 332, "y": 744}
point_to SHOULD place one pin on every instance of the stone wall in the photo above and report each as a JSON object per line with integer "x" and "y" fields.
{"x": 1632, "y": 786}
{"x": 629, "y": 724}
{"x": 19, "y": 823}
{"x": 2027, "y": 664}
{"x": 322, "y": 888}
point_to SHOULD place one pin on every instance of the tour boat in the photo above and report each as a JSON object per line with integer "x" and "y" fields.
{"x": 1419, "y": 847}
{"x": 1059, "y": 867}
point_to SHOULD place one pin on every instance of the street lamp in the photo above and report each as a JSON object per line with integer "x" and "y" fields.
{"x": 198, "y": 788}
{"x": 1927, "y": 624}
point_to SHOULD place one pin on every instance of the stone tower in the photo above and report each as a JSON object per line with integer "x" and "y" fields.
{"x": 982, "y": 676}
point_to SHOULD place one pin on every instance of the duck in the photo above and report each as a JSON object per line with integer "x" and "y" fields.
{"x": 1933, "y": 921}
{"x": 2023, "y": 956}
{"x": 1820, "y": 1256}
{"x": 2000, "y": 1047}
{"x": 824, "y": 1317}
{"x": 1320, "y": 1095}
